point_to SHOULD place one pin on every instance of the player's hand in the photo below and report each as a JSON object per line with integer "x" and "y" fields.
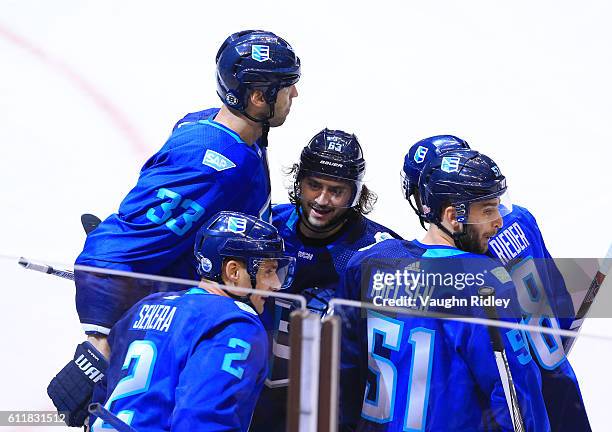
{"x": 72, "y": 387}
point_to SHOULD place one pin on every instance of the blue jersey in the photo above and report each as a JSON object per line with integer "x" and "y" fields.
{"x": 320, "y": 264}
{"x": 520, "y": 248}
{"x": 187, "y": 360}
{"x": 202, "y": 169}
{"x": 426, "y": 374}
{"x": 544, "y": 301}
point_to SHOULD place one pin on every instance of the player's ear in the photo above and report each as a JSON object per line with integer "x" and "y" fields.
{"x": 449, "y": 214}
{"x": 256, "y": 99}
{"x": 231, "y": 272}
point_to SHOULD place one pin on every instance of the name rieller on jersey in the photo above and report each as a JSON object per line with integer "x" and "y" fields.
{"x": 509, "y": 243}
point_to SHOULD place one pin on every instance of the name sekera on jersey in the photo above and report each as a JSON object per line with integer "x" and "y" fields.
{"x": 154, "y": 317}
{"x": 509, "y": 243}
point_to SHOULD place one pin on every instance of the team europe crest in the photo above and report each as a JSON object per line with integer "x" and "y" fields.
{"x": 450, "y": 164}
{"x": 419, "y": 155}
{"x": 261, "y": 53}
{"x": 236, "y": 225}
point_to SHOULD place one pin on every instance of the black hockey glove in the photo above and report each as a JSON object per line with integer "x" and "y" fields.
{"x": 72, "y": 387}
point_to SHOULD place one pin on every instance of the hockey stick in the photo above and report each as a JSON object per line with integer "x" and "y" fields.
{"x": 44, "y": 268}
{"x": 89, "y": 222}
{"x": 108, "y": 417}
{"x": 596, "y": 283}
{"x": 502, "y": 362}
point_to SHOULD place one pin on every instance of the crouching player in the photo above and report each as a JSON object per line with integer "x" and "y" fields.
{"x": 541, "y": 290}
{"x": 426, "y": 374}
{"x": 197, "y": 359}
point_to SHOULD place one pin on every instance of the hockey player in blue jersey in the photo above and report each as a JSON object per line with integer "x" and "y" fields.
{"x": 216, "y": 163}
{"x": 196, "y": 359}
{"x": 511, "y": 242}
{"x": 323, "y": 226}
{"x": 541, "y": 290}
{"x": 424, "y": 374}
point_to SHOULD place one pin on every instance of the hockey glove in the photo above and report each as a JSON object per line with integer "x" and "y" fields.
{"x": 72, "y": 387}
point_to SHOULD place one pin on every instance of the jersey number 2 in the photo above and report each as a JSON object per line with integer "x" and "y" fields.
{"x": 236, "y": 356}
{"x": 144, "y": 353}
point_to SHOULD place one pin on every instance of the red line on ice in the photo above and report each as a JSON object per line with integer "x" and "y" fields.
{"x": 101, "y": 101}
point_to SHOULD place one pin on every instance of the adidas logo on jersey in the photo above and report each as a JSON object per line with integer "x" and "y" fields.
{"x": 88, "y": 369}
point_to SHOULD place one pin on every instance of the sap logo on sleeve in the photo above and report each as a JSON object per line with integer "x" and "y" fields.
{"x": 450, "y": 164}
{"x": 217, "y": 161}
{"x": 236, "y": 225}
{"x": 260, "y": 53}
{"x": 419, "y": 155}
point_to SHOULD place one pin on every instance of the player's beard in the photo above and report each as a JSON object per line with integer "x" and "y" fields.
{"x": 473, "y": 241}
{"x": 314, "y": 225}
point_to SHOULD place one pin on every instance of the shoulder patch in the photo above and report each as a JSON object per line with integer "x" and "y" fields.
{"x": 501, "y": 274}
{"x": 378, "y": 237}
{"x": 217, "y": 161}
{"x": 245, "y": 307}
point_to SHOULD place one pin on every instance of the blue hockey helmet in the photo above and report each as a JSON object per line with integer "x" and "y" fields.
{"x": 235, "y": 235}
{"x": 422, "y": 152}
{"x": 254, "y": 59}
{"x": 336, "y": 154}
{"x": 459, "y": 178}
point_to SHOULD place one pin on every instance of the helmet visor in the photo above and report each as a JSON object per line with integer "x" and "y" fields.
{"x": 328, "y": 191}
{"x": 272, "y": 274}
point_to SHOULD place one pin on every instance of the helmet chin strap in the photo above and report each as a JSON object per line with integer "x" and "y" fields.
{"x": 245, "y": 298}
{"x": 416, "y": 211}
{"x": 265, "y": 123}
{"x": 458, "y": 237}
